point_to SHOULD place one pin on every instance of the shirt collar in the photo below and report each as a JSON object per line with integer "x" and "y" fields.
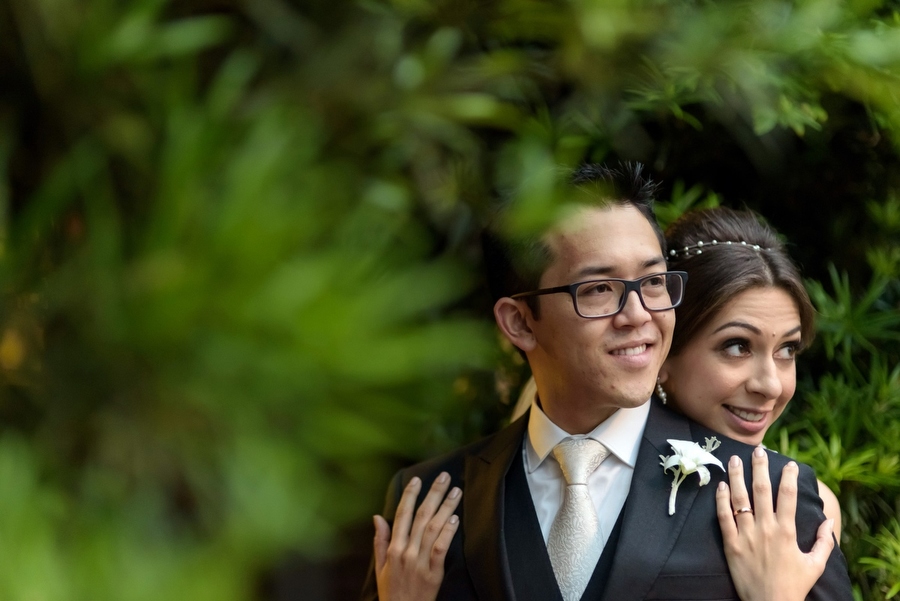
{"x": 621, "y": 433}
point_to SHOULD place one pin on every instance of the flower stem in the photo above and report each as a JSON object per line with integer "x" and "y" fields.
{"x": 679, "y": 478}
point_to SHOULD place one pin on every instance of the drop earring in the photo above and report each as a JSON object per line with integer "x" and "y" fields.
{"x": 660, "y": 392}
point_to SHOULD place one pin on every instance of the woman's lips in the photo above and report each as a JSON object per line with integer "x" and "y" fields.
{"x": 746, "y": 414}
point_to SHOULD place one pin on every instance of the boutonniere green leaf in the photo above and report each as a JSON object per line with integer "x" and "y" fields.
{"x": 689, "y": 457}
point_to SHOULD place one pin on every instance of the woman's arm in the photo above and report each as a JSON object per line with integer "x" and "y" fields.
{"x": 761, "y": 545}
{"x": 832, "y": 508}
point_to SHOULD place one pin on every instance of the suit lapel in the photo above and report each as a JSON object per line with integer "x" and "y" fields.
{"x": 483, "y": 519}
{"x": 648, "y": 531}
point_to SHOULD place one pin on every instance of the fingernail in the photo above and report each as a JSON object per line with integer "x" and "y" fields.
{"x": 735, "y": 461}
{"x": 415, "y": 481}
{"x": 443, "y": 477}
{"x": 759, "y": 451}
{"x": 454, "y": 519}
{"x": 722, "y": 485}
{"x": 792, "y": 464}
{"x": 454, "y": 493}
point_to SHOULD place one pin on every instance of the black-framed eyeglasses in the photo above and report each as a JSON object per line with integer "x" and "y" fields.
{"x": 603, "y": 298}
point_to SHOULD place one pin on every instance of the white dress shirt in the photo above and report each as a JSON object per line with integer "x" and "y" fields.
{"x": 621, "y": 433}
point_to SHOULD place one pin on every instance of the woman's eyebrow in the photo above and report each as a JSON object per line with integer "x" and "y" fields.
{"x": 792, "y": 332}
{"x": 738, "y": 324}
{"x": 752, "y": 328}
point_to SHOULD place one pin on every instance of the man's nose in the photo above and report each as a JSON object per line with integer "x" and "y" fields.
{"x": 633, "y": 312}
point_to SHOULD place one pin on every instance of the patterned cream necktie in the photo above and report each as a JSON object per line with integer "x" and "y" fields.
{"x": 574, "y": 545}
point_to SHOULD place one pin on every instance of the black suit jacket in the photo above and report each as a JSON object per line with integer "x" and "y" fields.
{"x": 657, "y": 556}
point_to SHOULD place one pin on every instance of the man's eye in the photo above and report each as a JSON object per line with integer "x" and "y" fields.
{"x": 597, "y": 288}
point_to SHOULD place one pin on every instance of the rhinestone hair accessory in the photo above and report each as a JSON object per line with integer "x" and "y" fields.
{"x": 697, "y": 249}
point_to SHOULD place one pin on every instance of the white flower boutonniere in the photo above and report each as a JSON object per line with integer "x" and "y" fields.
{"x": 689, "y": 457}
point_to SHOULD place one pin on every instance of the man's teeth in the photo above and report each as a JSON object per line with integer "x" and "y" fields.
{"x": 749, "y": 416}
{"x": 635, "y": 350}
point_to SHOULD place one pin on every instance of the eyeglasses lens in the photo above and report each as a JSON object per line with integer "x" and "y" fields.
{"x": 659, "y": 293}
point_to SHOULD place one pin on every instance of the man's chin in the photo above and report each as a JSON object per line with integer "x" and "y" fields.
{"x": 635, "y": 403}
{"x": 634, "y": 399}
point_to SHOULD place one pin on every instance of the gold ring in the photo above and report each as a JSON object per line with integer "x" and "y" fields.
{"x": 743, "y": 510}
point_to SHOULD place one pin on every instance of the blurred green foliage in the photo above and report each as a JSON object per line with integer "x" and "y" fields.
{"x": 239, "y": 270}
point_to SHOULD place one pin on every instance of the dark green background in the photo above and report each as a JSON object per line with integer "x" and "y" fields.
{"x": 240, "y": 279}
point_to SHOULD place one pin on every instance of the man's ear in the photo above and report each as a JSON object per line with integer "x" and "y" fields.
{"x": 512, "y": 319}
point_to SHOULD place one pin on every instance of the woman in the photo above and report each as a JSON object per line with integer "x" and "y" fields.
{"x": 731, "y": 367}
{"x": 744, "y": 317}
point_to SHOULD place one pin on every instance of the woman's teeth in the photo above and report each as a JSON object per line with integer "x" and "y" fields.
{"x": 750, "y": 416}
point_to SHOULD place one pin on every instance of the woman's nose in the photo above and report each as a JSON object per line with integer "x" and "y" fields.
{"x": 765, "y": 380}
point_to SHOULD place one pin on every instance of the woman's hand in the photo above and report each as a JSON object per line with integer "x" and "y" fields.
{"x": 409, "y": 562}
{"x": 761, "y": 545}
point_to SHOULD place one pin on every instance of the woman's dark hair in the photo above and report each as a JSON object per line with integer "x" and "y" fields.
{"x": 718, "y": 271}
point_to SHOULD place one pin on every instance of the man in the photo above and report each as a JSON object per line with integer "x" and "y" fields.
{"x": 590, "y": 305}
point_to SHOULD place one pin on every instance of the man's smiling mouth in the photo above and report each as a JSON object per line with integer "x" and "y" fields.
{"x": 634, "y": 350}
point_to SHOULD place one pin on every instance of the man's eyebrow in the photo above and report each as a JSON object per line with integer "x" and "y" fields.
{"x": 606, "y": 270}
{"x": 593, "y": 270}
{"x": 752, "y": 328}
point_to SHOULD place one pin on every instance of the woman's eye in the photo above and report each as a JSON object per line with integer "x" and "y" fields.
{"x": 736, "y": 348}
{"x": 788, "y": 351}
